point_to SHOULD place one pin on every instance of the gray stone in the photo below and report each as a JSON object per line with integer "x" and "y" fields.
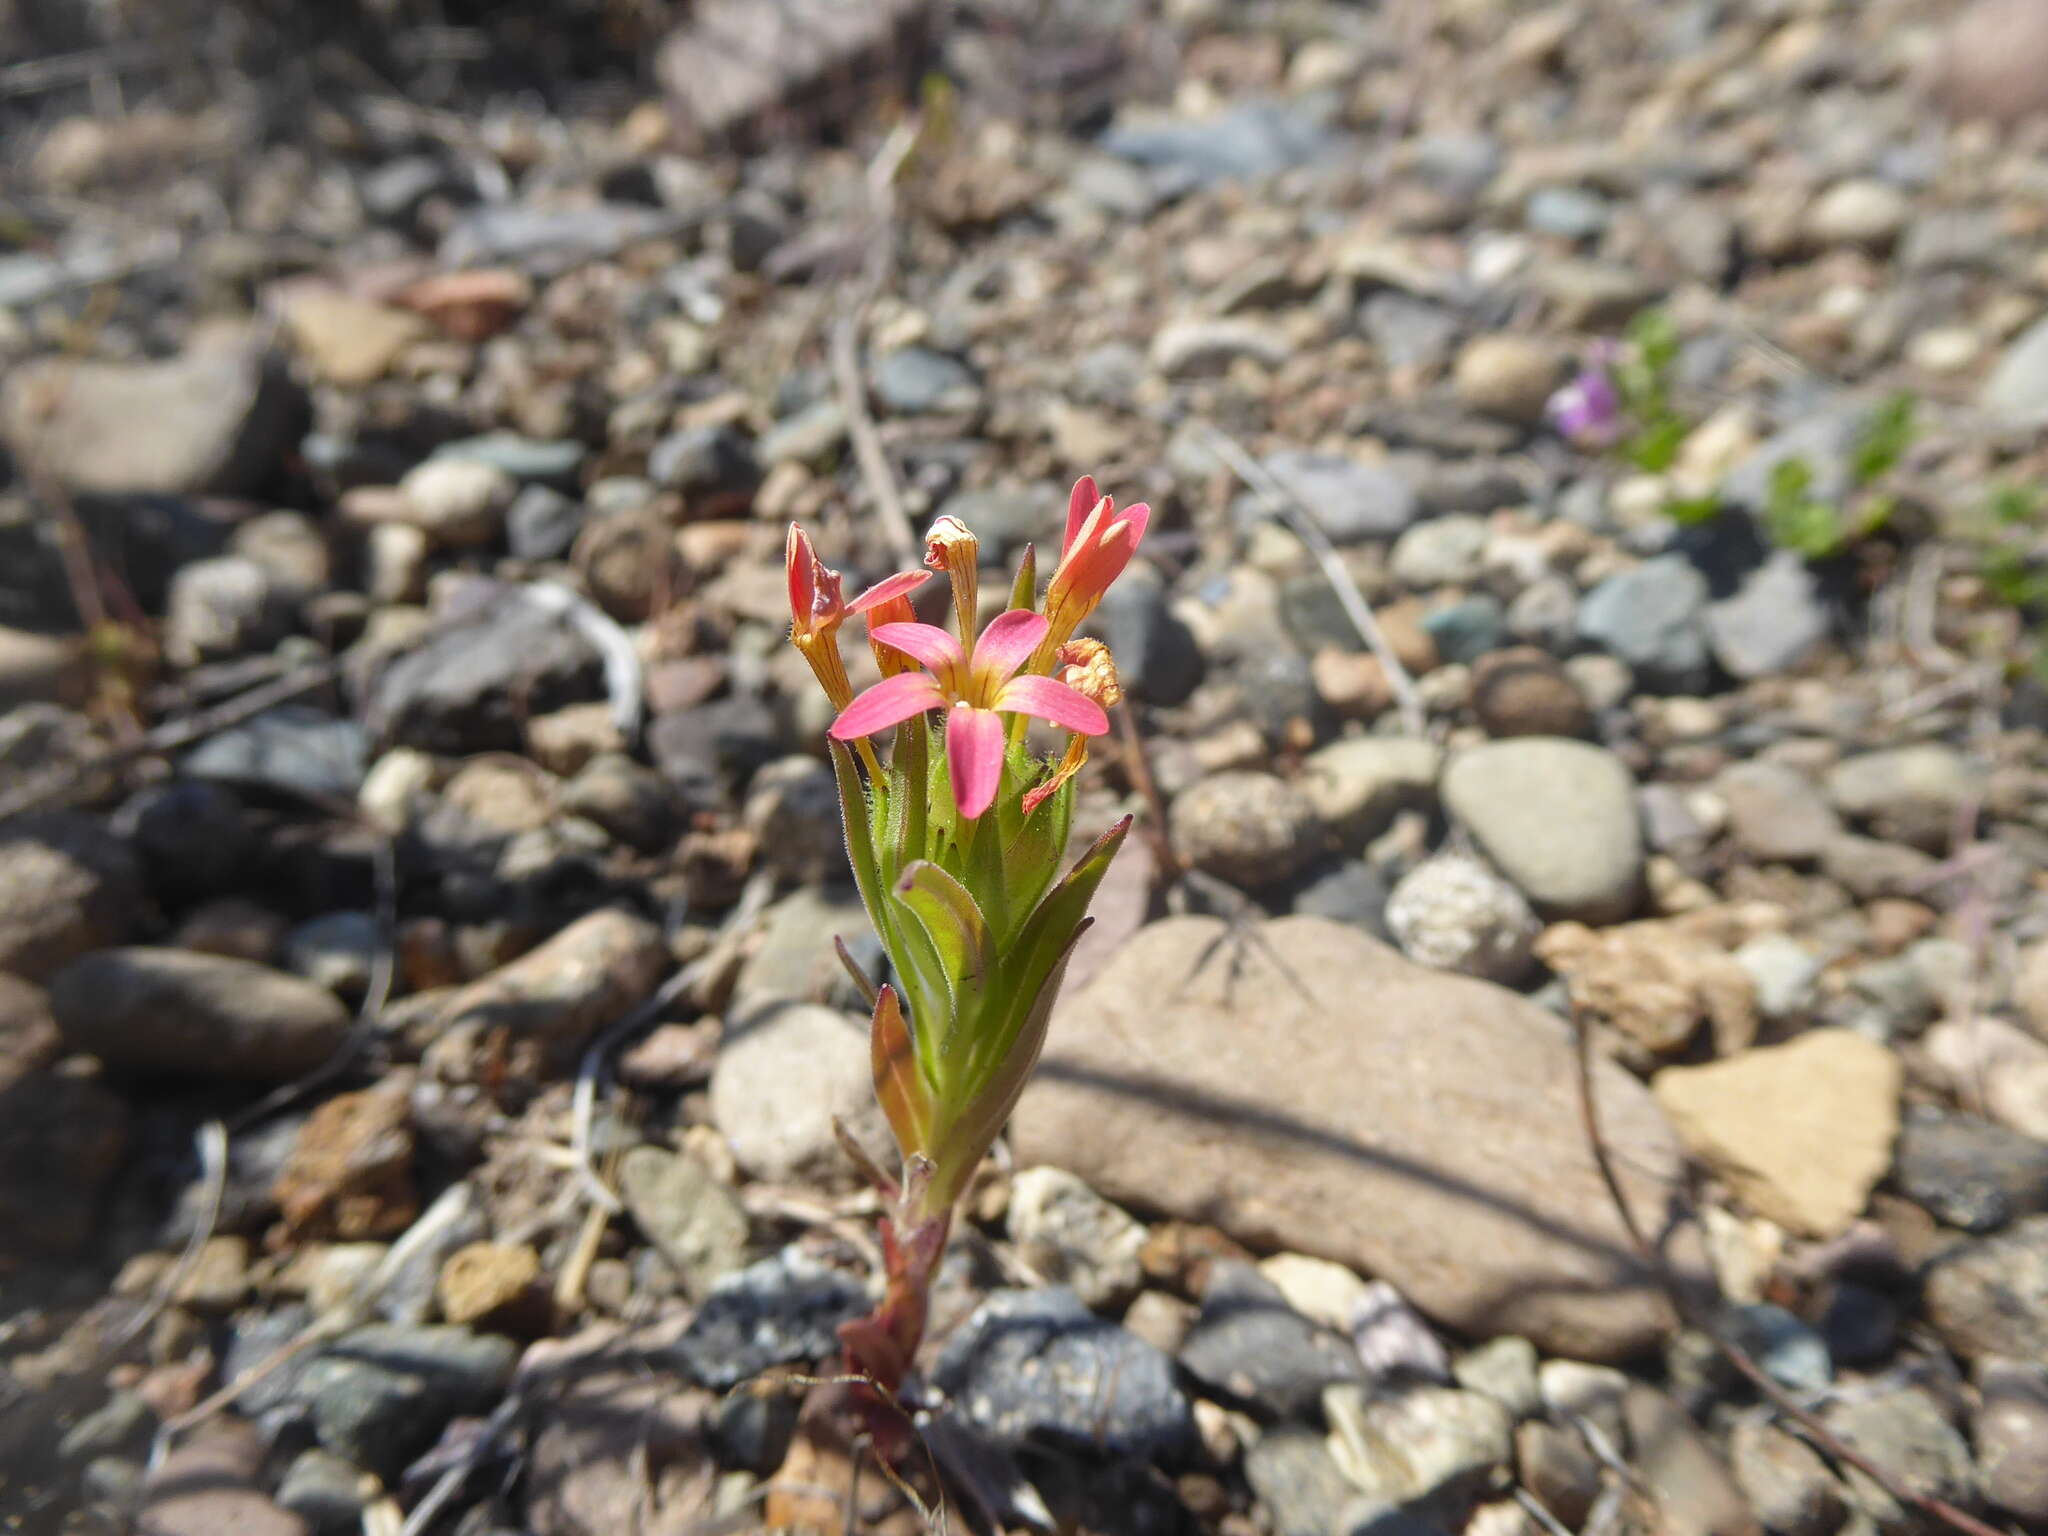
{"x": 71, "y": 886}
{"x": 1868, "y": 867}
{"x": 1784, "y": 973}
{"x": 2017, "y": 390}
{"x": 784, "y": 1073}
{"x": 1908, "y": 794}
{"x": 1429, "y": 1450}
{"x": 550, "y": 461}
{"x": 915, "y": 380}
{"x": 1073, "y": 1237}
{"x": 696, "y": 1222}
{"x": 1774, "y": 617}
{"x": 1354, "y": 892}
{"x": 1503, "y": 1369}
{"x": 174, "y": 1011}
{"x": 2011, "y": 1434}
{"x": 1298, "y": 1136}
{"x": 1791, "y": 1354}
{"x": 326, "y": 1492}
{"x": 712, "y": 465}
{"x": 220, "y": 608}
{"x": 456, "y": 692}
{"x": 780, "y": 1310}
{"x": 217, "y": 419}
{"x": 1784, "y": 1479}
{"x": 1967, "y": 1172}
{"x": 1158, "y": 659}
{"x": 380, "y": 1395}
{"x": 1358, "y": 785}
{"x": 1464, "y": 631}
{"x": 1349, "y": 501}
{"x": 1203, "y": 348}
{"x": 542, "y": 523}
{"x": 812, "y": 435}
{"x": 794, "y": 960}
{"x": 1557, "y": 817}
{"x": 336, "y": 950}
{"x": 1038, "y": 1368}
{"x": 294, "y": 747}
{"x": 1453, "y": 913}
{"x": 1443, "y": 551}
{"x": 1249, "y": 1345}
{"x": 1907, "y": 1433}
{"x": 1775, "y": 812}
{"x": 1295, "y": 1477}
{"x": 1251, "y": 139}
{"x": 1990, "y": 1297}
{"x": 1251, "y": 829}
{"x": 1653, "y": 617}
{"x": 1694, "y": 1493}
{"x": 1824, "y": 443}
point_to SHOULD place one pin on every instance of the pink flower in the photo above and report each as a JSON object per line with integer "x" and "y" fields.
{"x": 975, "y": 691}
{"x": 1098, "y": 545}
{"x": 817, "y": 607}
{"x": 1587, "y": 411}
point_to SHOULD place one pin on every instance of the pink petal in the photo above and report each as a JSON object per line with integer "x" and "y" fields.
{"x": 901, "y": 583}
{"x": 1006, "y": 644}
{"x": 974, "y": 747}
{"x": 890, "y": 702}
{"x": 1050, "y": 699}
{"x": 1079, "y": 505}
{"x": 926, "y": 643}
{"x": 1139, "y": 516}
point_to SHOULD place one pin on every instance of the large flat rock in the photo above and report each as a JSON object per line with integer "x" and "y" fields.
{"x": 1304, "y": 1087}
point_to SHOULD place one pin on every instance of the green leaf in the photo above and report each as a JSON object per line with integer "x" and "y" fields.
{"x": 1655, "y": 447}
{"x": 1884, "y": 438}
{"x": 1688, "y": 511}
{"x": 1044, "y": 937}
{"x": 952, "y": 920}
{"x": 964, "y": 1141}
{"x": 1024, "y": 590}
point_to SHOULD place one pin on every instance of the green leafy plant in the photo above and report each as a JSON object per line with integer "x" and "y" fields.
{"x": 956, "y": 842}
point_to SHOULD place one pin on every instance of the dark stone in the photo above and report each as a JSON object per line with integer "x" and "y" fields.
{"x": 1967, "y": 1172}
{"x": 293, "y": 748}
{"x": 62, "y": 1137}
{"x": 702, "y": 750}
{"x": 1354, "y": 892}
{"x": 469, "y": 687}
{"x": 715, "y": 468}
{"x": 1156, "y": 654}
{"x": 1250, "y": 1347}
{"x": 191, "y": 835}
{"x": 784, "y": 1309}
{"x": 381, "y": 1395}
{"x": 752, "y": 1433}
{"x": 1860, "y": 1324}
{"x": 1039, "y": 1368}
{"x": 542, "y": 523}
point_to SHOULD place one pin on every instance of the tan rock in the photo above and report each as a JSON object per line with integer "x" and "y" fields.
{"x": 1304, "y": 1087}
{"x": 1803, "y": 1131}
{"x": 489, "y": 1283}
{"x": 347, "y": 340}
{"x": 1654, "y": 982}
{"x": 349, "y": 1175}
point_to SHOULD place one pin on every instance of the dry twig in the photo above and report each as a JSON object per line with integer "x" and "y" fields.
{"x": 868, "y": 452}
{"x": 1780, "y": 1400}
{"x": 1287, "y": 506}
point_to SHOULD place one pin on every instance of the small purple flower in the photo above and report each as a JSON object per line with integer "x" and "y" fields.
{"x": 1587, "y": 411}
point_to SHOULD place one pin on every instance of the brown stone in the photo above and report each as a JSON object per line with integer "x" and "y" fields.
{"x": 1654, "y": 982}
{"x": 349, "y": 1175}
{"x": 62, "y": 1135}
{"x": 207, "y": 1487}
{"x": 1695, "y": 1493}
{"x": 531, "y": 1018}
{"x": 1301, "y": 1086}
{"x": 28, "y": 1035}
{"x": 1523, "y": 691}
{"x": 493, "y": 1285}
